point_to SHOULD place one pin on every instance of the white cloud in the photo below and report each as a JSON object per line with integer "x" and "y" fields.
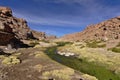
{"x": 93, "y": 12}
{"x": 49, "y": 20}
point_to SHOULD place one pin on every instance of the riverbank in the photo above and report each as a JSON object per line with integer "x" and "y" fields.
{"x": 82, "y": 65}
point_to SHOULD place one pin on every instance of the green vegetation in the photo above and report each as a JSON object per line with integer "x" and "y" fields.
{"x": 46, "y": 41}
{"x": 61, "y": 74}
{"x": 82, "y": 65}
{"x": 63, "y": 43}
{"x": 115, "y": 49}
{"x": 118, "y": 45}
{"x": 33, "y": 43}
{"x": 11, "y": 60}
{"x": 95, "y": 44}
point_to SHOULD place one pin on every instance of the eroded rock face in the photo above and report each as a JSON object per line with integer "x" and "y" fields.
{"x": 106, "y": 30}
{"x": 5, "y": 12}
{"x": 5, "y": 38}
{"x": 12, "y": 28}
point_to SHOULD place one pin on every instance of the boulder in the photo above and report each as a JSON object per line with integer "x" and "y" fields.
{"x": 39, "y": 35}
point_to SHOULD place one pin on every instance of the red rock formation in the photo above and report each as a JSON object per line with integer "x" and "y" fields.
{"x": 12, "y": 28}
{"x": 106, "y": 30}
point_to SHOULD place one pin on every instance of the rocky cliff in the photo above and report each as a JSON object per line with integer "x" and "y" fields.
{"x": 106, "y": 30}
{"x": 14, "y": 29}
{"x": 9, "y": 23}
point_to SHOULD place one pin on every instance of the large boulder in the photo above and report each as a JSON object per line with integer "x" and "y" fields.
{"x": 39, "y": 35}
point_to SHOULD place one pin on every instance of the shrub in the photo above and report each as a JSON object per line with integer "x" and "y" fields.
{"x": 63, "y": 43}
{"x": 46, "y": 41}
{"x": 11, "y": 60}
{"x": 115, "y": 49}
{"x": 95, "y": 44}
{"x": 62, "y": 74}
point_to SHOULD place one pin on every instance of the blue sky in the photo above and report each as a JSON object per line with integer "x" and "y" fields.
{"x": 61, "y": 17}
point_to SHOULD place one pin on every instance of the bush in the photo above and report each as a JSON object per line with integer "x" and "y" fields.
{"x": 95, "y": 44}
{"x": 63, "y": 43}
{"x": 62, "y": 74}
{"x": 46, "y": 41}
{"x": 34, "y": 43}
{"x": 11, "y": 60}
{"x": 115, "y": 49}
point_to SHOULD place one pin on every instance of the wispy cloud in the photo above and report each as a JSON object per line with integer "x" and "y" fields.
{"x": 49, "y": 20}
{"x": 91, "y": 12}
{"x": 67, "y": 13}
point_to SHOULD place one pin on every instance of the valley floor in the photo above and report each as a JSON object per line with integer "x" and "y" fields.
{"x": 44, "y": 63}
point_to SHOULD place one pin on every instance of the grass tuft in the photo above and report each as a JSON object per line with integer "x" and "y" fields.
{"x": 11, "y": 60}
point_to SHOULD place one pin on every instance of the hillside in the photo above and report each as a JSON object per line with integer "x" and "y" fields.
{"x": 106, "y": 31}
{"x": 24, "y": 53}
{"x": 13, "y": 30}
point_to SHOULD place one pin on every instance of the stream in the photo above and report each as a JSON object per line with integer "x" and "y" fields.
{"x": 83, "y": 66}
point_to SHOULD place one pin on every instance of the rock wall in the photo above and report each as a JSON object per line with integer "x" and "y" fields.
{"x": 12, "y": 28}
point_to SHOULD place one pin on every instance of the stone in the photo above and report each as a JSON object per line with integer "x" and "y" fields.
{"x": 39, "y": 35}
{"x": 5, "y": 11}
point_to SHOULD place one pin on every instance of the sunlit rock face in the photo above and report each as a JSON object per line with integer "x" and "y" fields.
{"x": 106, "y": 30}
{"x": 5, "y": 12}
{"x": 12, "y": 28}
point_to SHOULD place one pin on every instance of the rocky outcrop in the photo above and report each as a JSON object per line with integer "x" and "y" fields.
{"x": 39, "y": 35}
{"x": 5, "y": 12}
{"x": 51, "y": 37}
{"x": 12, "y": 28}
{"x": 5, "y": 38}
{"x": 106, "y": 30}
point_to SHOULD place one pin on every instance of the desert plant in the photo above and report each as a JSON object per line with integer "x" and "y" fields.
{"x": 62, "y": 74}
{"x": 33, "y": 43}
{"x": 11, "y": 60}
{"x": 115, "y": 49}
{"x": 63, "y": 43}
{"x": 95, "y": 44}
{"x": 46, "y": 41}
